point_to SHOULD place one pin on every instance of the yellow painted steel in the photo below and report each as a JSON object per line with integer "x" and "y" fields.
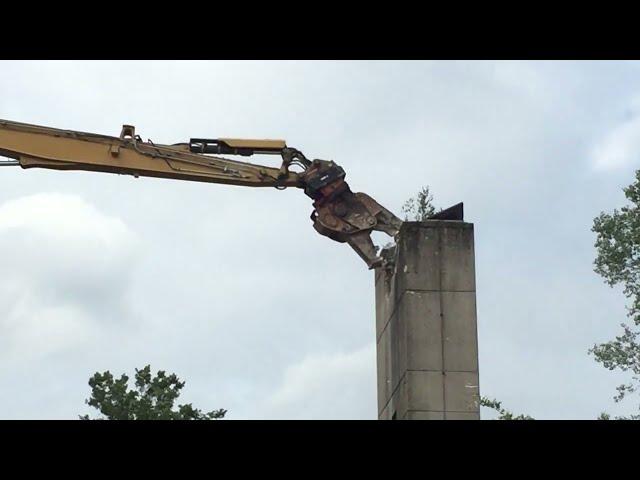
{"x": 43, "y": 147}
{"x": 247, "y": 143}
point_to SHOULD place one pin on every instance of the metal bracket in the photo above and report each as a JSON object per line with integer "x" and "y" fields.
{"x": 128, "y": 132}
{"x": 452, "y": 213}
{"x": 114, "y": 150}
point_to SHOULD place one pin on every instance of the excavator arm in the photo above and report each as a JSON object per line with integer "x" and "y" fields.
{"x": 338, "y": 213}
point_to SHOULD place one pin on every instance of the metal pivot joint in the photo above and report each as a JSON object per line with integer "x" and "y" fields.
{"x": 345, "y": 216}
{"x": 339, "y": 213}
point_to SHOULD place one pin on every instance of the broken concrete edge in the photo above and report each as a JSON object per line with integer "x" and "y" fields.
{"x": 387, "y": 274}
{"x": 438, "y": 273}
{"x": 390, "y": 252}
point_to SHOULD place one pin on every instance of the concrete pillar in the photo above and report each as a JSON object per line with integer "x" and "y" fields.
{"x": 427, "y": 342}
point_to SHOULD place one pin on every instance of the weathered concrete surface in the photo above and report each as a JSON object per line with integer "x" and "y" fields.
{"x": 427, "y": 347}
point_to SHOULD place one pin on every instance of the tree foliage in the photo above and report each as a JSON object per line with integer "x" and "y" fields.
{"x": 152, "y": 398}
{"x": 504, "y": 413}
{"x": 420, "y": 207}
{"x": 618, "y": 262}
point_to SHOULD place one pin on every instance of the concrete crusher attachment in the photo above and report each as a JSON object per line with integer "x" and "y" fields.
{"x": 339, "y": 213}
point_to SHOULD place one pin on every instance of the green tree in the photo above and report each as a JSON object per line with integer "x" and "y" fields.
{"x": 420, "y": 207}
{"x": 618, "y": 262}
{"x": 504, "y": 413}
{"x": 152, "y": 398}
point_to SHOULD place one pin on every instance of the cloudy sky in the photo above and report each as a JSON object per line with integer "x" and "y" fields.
{"x": 232, "y": 289}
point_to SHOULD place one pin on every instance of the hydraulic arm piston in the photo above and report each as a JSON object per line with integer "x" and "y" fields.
{"x": 339, "y": 213}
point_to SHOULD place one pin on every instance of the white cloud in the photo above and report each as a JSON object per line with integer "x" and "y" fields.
{"x": 620, "y": 146}
{"x": 62, "y": 263}
{"x": 327, "y": 386}
{"x": 233, "y": 288}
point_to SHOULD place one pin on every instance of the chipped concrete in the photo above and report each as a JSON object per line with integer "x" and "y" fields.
{"x": 426, "y": 325}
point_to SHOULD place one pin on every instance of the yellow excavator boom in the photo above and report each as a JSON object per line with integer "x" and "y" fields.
{"x": 338, "y": 213}
{"x": 44, "y": 147}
